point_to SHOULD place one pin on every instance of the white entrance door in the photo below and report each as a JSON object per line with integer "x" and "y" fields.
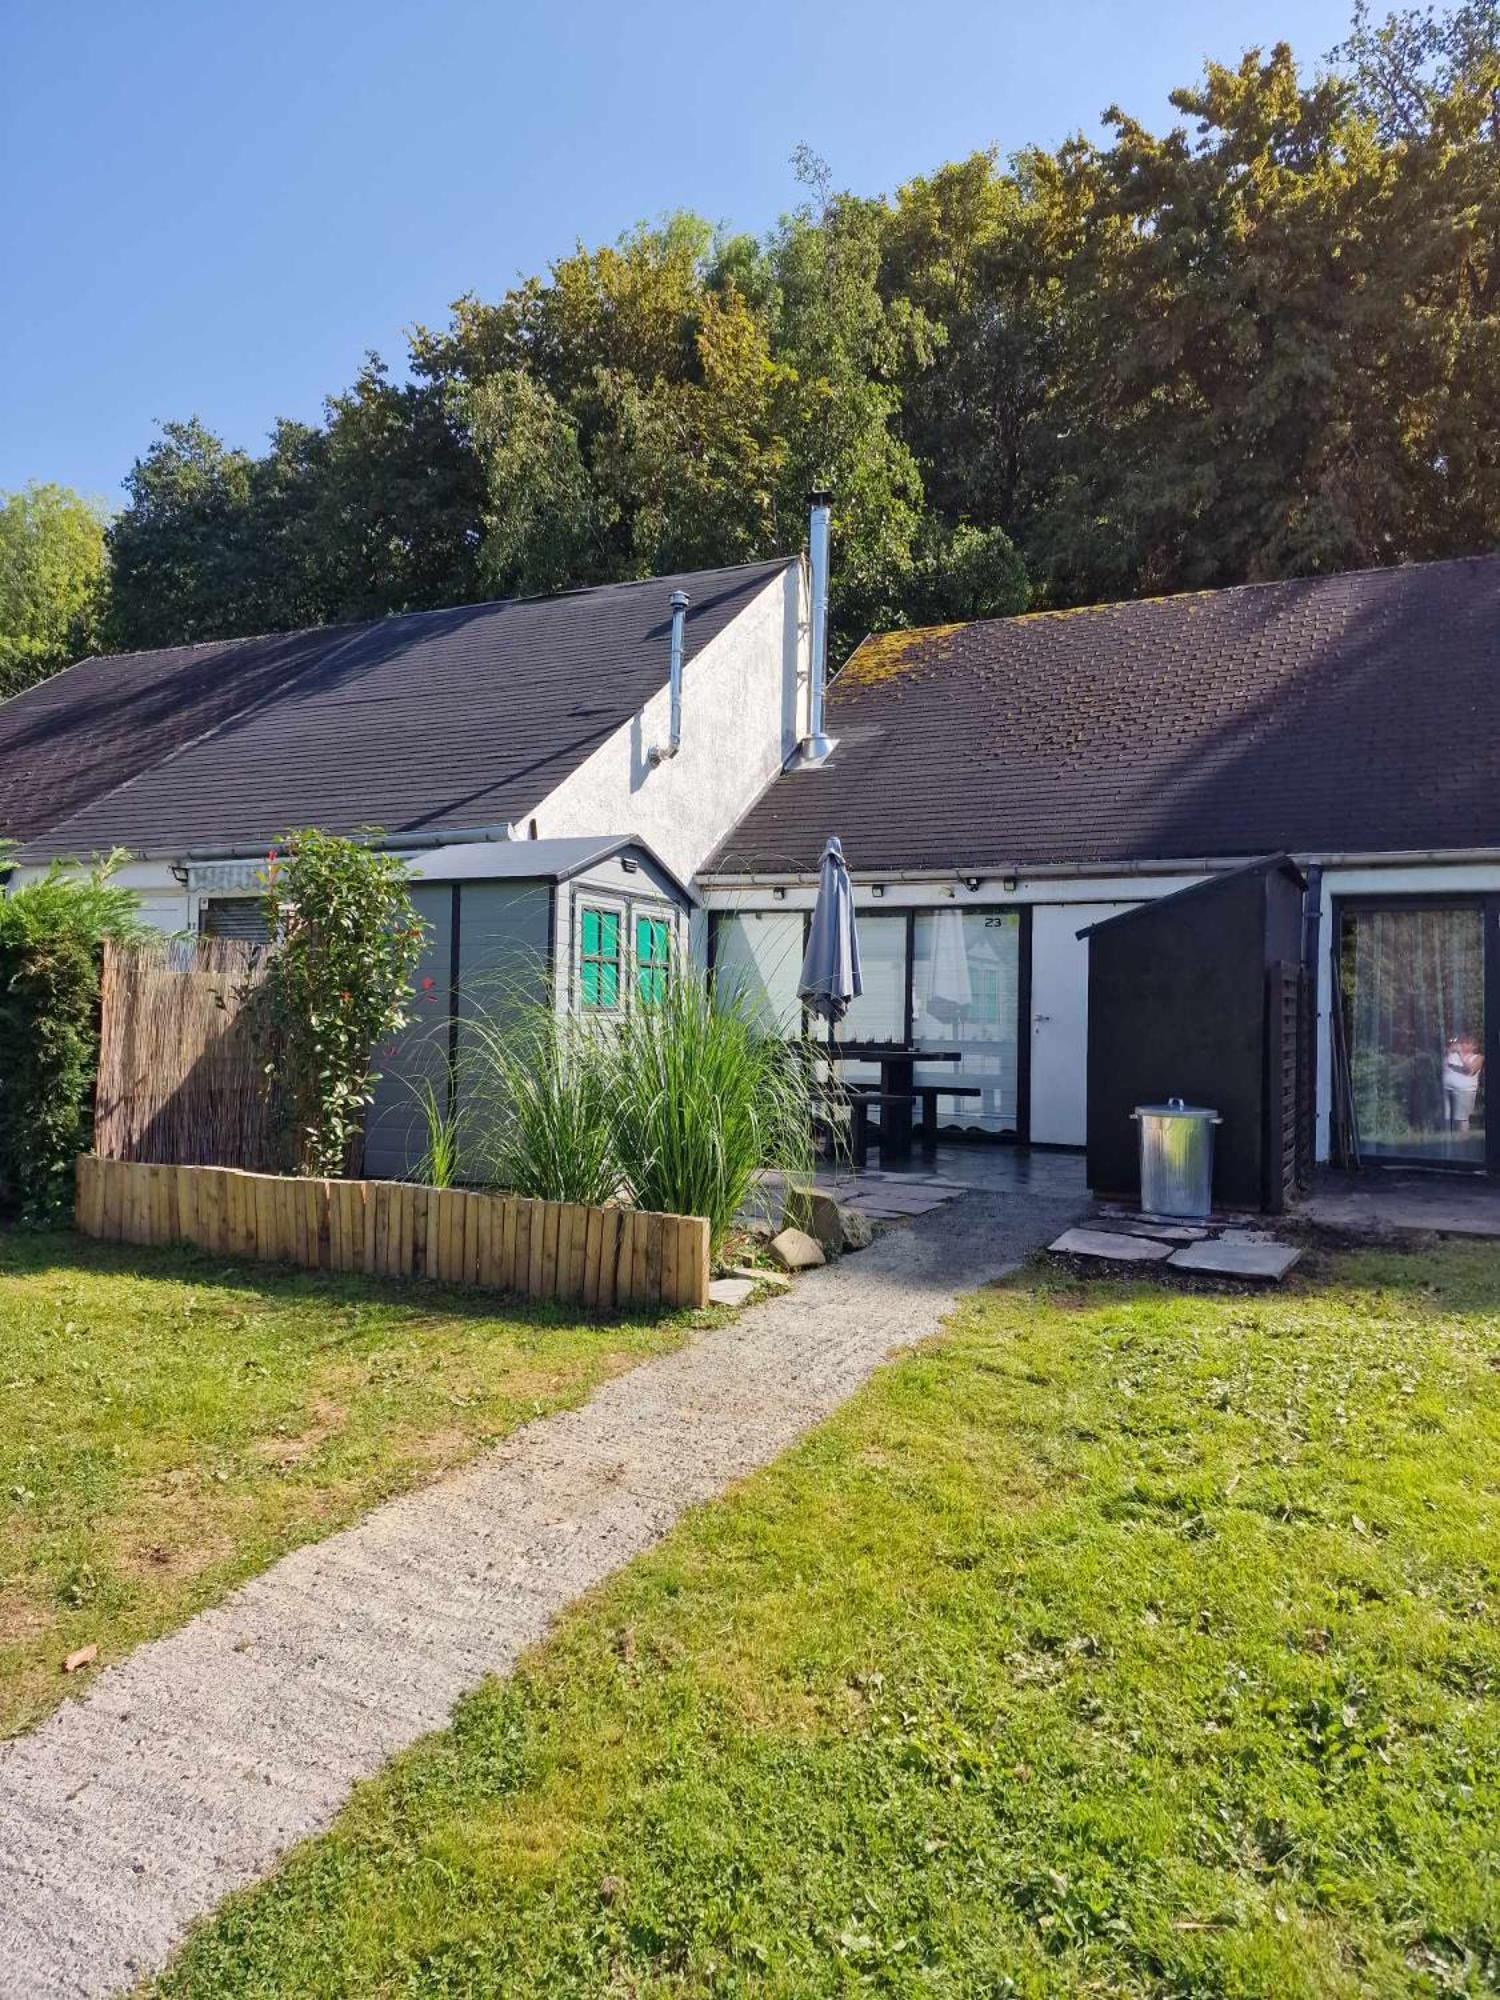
{"x": 1060, "y": 1018}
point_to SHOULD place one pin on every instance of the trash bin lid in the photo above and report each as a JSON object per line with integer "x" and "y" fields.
{"x": 1175, "y": 1108}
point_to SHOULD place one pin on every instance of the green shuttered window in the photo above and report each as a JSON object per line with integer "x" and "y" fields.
{"x": 653, "y": 943}
{"x": 599, "y": 961}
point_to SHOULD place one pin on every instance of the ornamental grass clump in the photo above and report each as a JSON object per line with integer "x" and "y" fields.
{"x": 674, "y": 1106}
{"x": 539, "y": 1093}
{"x": 703, "y": 1101}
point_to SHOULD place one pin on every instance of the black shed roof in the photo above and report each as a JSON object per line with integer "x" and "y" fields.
{"x": 1356, "y": 713}
{"x": 431, "y": 721}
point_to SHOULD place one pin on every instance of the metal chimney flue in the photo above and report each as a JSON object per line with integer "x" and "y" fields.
{"x": 660, "y": 752}
{"x": 816, "y": 745}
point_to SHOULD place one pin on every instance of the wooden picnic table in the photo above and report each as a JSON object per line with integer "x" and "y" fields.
{"x": 897, "y": 1062}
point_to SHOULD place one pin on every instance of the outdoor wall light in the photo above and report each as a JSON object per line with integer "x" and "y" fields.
{"x": 779, "y": 894}
{"x": 877, "y": 888}
{"x": 973, "y": 884}
{"x": 179, "y": 873}
{"x": 1010, "y": 885}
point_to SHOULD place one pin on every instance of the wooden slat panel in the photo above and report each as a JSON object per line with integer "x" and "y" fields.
{"x": 521, "y": 1270}
{"x": 655, "y": 1232}
{"x": 533, "y": 1284}
{"x": 86, "y": 1194}
{"x": 267, "y": 1219}
{"x": 692, "y": 1261}
{"x": 551, "y": 1226}
{"x": 593, "y": 1240}
{"x": 471, "y": 1239}
{"x": 505, "y": 1276}
{"x": 188, "y": 1228}
{"x": 291, "y": 1214}
{"x": 112, "y": 1225}
{"x": 164, "y": 1205}
{"x": 442, "y": 1214}
{"x": 610, "y": 1224}
{"x": 419, "y": 1231}
{"x": 600, "y": 1258}
{"x": 567, "y": 1227}
{"x": 491, "y": 1235}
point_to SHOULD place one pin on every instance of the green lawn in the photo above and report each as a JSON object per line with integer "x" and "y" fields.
{"x": 1123, "y": 1642}
{"x": 169, "y": 1425}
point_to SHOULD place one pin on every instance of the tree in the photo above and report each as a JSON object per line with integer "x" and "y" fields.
{"x": 1263, "y": 342}
{"x": 181, "y": 555}
{"x": 52, "y": 581}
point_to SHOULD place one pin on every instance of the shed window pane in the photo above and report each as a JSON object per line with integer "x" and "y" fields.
{"x": 653, "y": 940}
{"x": 599, "y": 959}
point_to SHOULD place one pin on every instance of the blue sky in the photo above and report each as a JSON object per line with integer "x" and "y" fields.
{"x": 215, "y": 208}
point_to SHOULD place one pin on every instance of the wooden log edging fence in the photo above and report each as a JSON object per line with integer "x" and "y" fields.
{"x": 599, "y": 1258}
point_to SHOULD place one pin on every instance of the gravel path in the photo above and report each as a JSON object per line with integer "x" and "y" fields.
{"x": 192, "y": 1766}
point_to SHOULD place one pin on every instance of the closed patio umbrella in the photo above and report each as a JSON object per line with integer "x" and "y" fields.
{"x": 830, "y": 976}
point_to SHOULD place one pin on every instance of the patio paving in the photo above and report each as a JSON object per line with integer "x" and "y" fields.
{"x": 1381, "y": 1202}
{"x": 191, "y": 1767}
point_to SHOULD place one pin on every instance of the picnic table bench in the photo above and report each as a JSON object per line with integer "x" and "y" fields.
{"x": 863, "y": 1100}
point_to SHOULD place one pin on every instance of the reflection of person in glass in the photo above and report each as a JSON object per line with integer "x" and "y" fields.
{"x": 1462, "y": 1063}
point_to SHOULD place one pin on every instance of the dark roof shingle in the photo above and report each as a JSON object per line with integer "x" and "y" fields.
{"x": 432, "y": 721}
{"x": 1339, "y": 714}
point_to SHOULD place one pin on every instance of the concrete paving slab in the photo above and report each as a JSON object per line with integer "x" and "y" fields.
{"x": 730, "y": 1291}
{"x": 191, "y": 1767}
{"x": 1268, "y": 1261}
{"x": 1114, "y": 1247}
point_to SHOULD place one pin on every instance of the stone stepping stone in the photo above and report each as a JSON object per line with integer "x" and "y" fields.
{"x": 1110, "y": 1246}
{"x": 1221, "y": 1259}
{"x": 730, "y": 1291}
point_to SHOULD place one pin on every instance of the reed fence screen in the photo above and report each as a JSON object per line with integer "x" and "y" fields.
{"x": 601, "y": 1258}
{"x": 181, "y": 1082}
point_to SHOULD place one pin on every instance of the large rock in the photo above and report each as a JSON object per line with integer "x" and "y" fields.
{"x": 858, "y": 1229}
{"x": 795, "y": 1250}
{"x": 835, "y": 1227}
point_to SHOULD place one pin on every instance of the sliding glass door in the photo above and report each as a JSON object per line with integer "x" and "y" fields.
{"x": 966, "y": 994}
{"x": 948, "y": 978}
{"x": 1413, "y": 992}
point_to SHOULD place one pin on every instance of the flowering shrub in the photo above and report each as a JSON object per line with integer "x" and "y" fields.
{"x": 347, "y": 943}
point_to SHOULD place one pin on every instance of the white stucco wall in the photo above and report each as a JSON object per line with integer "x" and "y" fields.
{"x": 744, "y": 701}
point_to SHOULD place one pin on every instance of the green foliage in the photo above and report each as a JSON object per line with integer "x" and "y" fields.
{"x": 347, "y": 942}
{"x": 675, "y": 1107}
{"x": 1126, "y": 1641}
{"x": 51, "y": 934}
{"x": 703, "y": 1100}
{"x": 541, "y": 1117}
{"x": 52, "y": 581}
{"x": 1261, "y": 343}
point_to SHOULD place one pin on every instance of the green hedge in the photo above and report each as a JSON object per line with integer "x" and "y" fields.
{"x": 52, "y": 933}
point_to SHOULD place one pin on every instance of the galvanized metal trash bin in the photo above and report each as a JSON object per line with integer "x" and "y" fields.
{"x": 1177, "y": 1158}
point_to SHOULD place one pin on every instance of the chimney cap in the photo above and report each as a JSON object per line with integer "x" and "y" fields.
{"x": 821, "y": 496}
{"x": 679, "y": 600}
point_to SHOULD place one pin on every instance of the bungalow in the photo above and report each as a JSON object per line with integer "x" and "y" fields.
{"x": 556, "y": 770}
{"x": 1003, "y": 787}
{"x": 581, "y": 780}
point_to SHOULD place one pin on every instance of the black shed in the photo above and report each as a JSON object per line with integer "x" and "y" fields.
{"x": 1201, "y": 995}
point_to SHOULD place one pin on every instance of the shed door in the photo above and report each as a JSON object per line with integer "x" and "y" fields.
{"x": 1060, "y": 1018}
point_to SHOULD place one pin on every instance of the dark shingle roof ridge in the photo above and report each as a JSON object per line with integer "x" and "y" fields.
{"x": 1071, "y": 611}
{"x": 345, "y": 634}
{"x": 767, "y": 563}
{"x": 215, "y": 728}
